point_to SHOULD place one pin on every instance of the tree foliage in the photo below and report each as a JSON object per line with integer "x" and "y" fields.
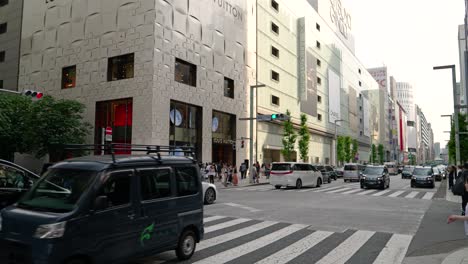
{"x": 381, "y": 153}
{"x": 412, "y": 159}
{"x": 347, "y": 149}
{"x": 340, "y": 149}
{"x": 37, "y": 126}
{"x": 289, "y": 138}
{"x": 462, "y": 125}
{"x": 355, "y": 148}
{"x": 373, "y": 154}
{"x": 304, "y": 138}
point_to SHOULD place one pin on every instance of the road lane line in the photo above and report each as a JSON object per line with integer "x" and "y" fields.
{"x": 213, "y": 218}
{"x": 234, "y": 235}
{"x": 428, "y": 196}
{"x": 226, "y": 224}
{"x": 381, "y": 193}
{"x": 395, "y": 194}
{"x": 328, "y": 189}
{"x": 411, "y": 195}
{"x": 339, "y": 190}
{"x": 347, "y": 249}
{"x": 366, "y": 192}
{"x": 292, "y": 251}
{"x": 249, "y": 247}
{"x": 352, "y": 191}
{"x": 308, "y": 190}
{"x": 395, "y": 250}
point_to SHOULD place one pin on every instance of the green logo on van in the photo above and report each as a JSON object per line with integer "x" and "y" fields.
{"x": 146, "y": 234}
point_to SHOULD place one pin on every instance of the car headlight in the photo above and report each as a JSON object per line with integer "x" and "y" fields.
{"x": 363, "y": 177}
{"x": 429, "y": 178}
{"x": 414, "y": 177}
{"x": 50, "y": 231}
{"x": 379, "y": 178}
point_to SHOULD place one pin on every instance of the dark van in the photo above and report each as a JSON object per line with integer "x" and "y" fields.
{"x": 106, "y": 209}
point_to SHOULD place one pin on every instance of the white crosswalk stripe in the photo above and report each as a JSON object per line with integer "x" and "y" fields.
{"x": 328, "y": 189}
{"x": 226, "y": 224}
{"x": 289, "y": 244}
{"x": 395, "y": 194}
{"x": 411, "y": 195}
{"x": 366, "y": 192}
{"x": 339, "y": 190}
{"x": 428, "y": 196}
{"x": 352, "y": 191}
{"x": 381, "y": 193}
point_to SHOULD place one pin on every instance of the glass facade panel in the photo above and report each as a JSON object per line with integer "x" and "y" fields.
{"x": 185, "y": 126}
{"x": 224, "y": 138}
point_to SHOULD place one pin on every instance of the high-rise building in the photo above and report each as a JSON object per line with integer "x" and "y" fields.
{"x": 437, "y": 150}
{"x": 404, "y": 93}
{"x": 11, "y": 15}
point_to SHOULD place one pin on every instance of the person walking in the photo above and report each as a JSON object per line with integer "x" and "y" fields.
{"x": 453, "y": 218}
{"x": 212, "y": 173}
{"x": 235, "y": 179}
{"x": 464, "y": 174}
{"x": 243, "y": 170}
{"x": 452, "y": 174}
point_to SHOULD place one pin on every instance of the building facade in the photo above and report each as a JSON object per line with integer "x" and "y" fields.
{"x": 152, "y": 72}
{"x": 463, "y": 55}
{"x": 11, "y": 14}
{"x": 306, "y": 60}
{"x": 405, "y": 96}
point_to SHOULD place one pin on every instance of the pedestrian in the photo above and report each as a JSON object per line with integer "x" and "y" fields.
{"x": 465, "y": 193}
{"x": 460, "y": 170}
{"x": 253, "y": 173}
{"x": 235, "y": 179}
{"x": 462, "y": 217}
{"x": 243, "y": 170}
{"x": 219, "y": 169}
{"x": 212, "y": 173}
{"x": 452, "y": 174}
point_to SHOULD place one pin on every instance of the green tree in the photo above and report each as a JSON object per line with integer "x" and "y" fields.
{"x": 39, "y": 127}
{"x": 304, "y": 139}
{"x": 340, "y": 149}
{"x": 373, "y": 153}
{"x": 412, "y": 159}
{"x": 347, "y": 148}
{"x": 355, "y": 148}
{"x": 462, "y": 125}
{"x": 289, "y": 138}
{"x": 381, "y": 153}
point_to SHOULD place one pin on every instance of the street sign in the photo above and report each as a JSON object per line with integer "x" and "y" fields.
{"x": 263, "y": 118}
{"x": 108, "y": 133}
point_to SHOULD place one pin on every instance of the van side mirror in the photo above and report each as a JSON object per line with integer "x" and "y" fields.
{"x": 101, "y": 203}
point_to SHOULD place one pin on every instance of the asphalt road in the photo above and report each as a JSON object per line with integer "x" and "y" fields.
{"x": 336, "y": 223}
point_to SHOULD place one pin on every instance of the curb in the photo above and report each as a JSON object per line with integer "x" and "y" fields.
{"x": 457, "y": 257}
{"x": 248, "y": 185}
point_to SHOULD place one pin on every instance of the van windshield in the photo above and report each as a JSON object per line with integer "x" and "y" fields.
{"x": 58, "y": 190}
{"x": 374, "y": 170}
{"x": 422, "y": 172}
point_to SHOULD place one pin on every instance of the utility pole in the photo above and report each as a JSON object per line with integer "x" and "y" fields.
{"x": 251, "y": 134}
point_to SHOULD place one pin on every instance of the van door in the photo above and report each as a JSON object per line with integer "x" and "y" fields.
{"x": 157, "y": 218}
{"x": 111, "y": 232}
{"x": 314, "y": 174}
{"x": 14, "y": 182}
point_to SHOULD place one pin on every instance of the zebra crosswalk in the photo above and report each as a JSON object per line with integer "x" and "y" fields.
{"x": 232, "y": 240}
{"x": 346, "y": 189}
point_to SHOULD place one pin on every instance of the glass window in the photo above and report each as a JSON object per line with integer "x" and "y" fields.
{"x": 275, "y": 76}
{"x": 3, "y": 2}
{"x": 228, "y": 87}
{"x": 59, "y": 190}
{"x": 3, "y": 28}
{"x": 185, "y": 72}
{"x": 117, "y": 188}
{"x": 274, "y": 28}
{"x": 317, "y": 26}
{"x": 2, "y": 56}
{"x": 187, "y": 181}
{"x": 69, "y": 77}
{"x": 120, "y": 67}
{"x": 319, "y": 117}
{"x": 319, "y": 98}
{"x": 275, "y": 100}
{"x": 281, "y": 167}
{"x": 12, "y": 178}
{"x": 275, "y": 52}
{"x": 155, "y": 184}
{"x": 275, "y": 5}
{"x": 318, "y": 44}
{"x": 319, "y": 62}
{"x": 350, "y": 168}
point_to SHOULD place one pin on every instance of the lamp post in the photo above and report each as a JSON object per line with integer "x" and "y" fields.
{"x": 455, "y": 103}
{"x": 251, "y": 119}
{"x": 335, "y": 149}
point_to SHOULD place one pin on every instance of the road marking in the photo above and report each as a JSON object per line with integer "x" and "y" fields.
{"x": 395, "y": 194}
{"x": 366, "y": 192}
{"x": 249, "y": 247}
{"x": 411, "y": 195}
{"x": 352, "y": 191}
{"x": 328, "y": 189}
{"x": 252, "y": 210}
{"x": 339, "y": 190}
{"x": 289, "y": 253}
{"x": 381, "y": 193}
{"x": 233, "y": 235}
{"x": 347, "y": 249}
{"x": 213, "y": 218}
{"x": 395, "y": 250}
{"x": 308, "y": 190}
{"x": 428, "y": 196}
{"x": 226, "y": 224}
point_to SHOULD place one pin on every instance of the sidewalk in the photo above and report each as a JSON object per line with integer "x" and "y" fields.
{"x": 243, "y": 183}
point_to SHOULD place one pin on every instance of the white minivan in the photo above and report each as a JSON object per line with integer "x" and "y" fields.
{"x": 293, "y": 174}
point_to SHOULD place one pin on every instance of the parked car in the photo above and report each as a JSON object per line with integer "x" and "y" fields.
{"x": 293, "y": 174}
{"x": 105, "y": 209}
{"x": 407, "y": 172}
{"x": 353, "y": 172}
{"x": 443, "y": 170}
{"x": 327, "y": 176}
{"x": 375, "y": 176}
{"x": 339, "y": 172}
{"x": 15, "y": 181}
{"x": 423, "y": 176}
{"x": 209, "y": 192}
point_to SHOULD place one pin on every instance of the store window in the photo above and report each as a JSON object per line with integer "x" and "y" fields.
{"x": 223, "y": 127}
{"x": 185, "y": 127}
{"x": 116, "y": 116}
{"x": 120, "y": 67}
{"x": 228, "y": 87}
{"x": 185, "y": 72}
{"x": 3, "y": 28}
{"x": 69, "y": 77}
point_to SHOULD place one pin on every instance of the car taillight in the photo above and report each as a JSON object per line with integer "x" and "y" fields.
{"x": 281, "y": 173}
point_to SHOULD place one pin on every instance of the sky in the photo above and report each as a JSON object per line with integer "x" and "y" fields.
{"x": 410, "y": 37}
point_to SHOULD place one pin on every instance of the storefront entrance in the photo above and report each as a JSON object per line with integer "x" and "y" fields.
{"x": 224, "y": 138}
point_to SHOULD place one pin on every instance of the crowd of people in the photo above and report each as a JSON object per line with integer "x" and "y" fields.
{"x": 228, "y": 173}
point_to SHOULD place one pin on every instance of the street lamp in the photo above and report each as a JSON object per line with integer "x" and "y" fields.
{"x": 455, "y": 103}
{"x": 252, "y": 87}
{"x": 335, "y": 149}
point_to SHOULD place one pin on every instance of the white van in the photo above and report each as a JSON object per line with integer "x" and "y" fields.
{"x": 392, "y": 168}
{"x": 352, "y": 172}
{"x": 295, "y": 174}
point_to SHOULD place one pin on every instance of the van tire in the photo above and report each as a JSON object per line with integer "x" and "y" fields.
{"x": 329, "y": 180}
{"x": 319, "y": 182}
{"x": 210, "y": 196}
{"x": 186, "y": 246}
{"x": 298, "y": 184}
{"x": 278, "y": 186}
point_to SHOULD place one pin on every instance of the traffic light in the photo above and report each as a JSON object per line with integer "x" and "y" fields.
{"x": 242, "y": 144}
{"x": 279, "y": 117}
{"x": 33, "y": 94}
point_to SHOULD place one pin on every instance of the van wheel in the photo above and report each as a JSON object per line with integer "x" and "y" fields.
{"x": 319, "y": 182}
{"x": 298, "y": 184}
{"x": 278, "y": 186}
{"x": 186, "y": 246}
{"x": 210, "y": 196}
{"x": 329, "y": 180}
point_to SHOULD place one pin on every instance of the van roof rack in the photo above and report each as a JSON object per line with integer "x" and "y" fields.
{"x": 149, "y": 149}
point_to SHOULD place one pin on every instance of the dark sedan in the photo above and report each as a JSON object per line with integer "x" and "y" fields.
{"x": 423, "y": 176}
{"x": 375, "y": 176}
{"x": 407, "y": 172}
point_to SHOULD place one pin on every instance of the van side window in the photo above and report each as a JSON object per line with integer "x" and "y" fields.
{"x": 12, "y": 178}
{"x": 117, "y": 188}
{"x": 155, "y": 184}
{"x": 187, "y": 181}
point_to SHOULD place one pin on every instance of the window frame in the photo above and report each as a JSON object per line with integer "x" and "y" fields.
{"x": 228, "y": 80}
{"x": 193, "y": 69}
{"x": 171, "y": 183}
{"x": 110, "y": 64}
{"x": 108, "y": 176}
{"x": 275, "y": 50}
{"x": 63, "y": 81}
{"x": 273, "y": 27}
{"x": 275, "y": 5}
{"x": 273, "y": 73}
{"x": 273, "y": 96}
{"x": 176, "y": 182}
